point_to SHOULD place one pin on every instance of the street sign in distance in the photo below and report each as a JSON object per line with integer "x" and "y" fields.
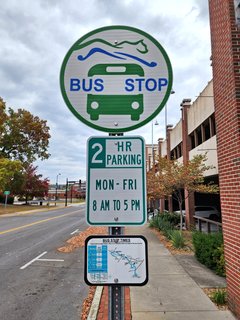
{"x": 116, "y": 181}
{"x": 116, "y": 78}
{"x": 116, "y": 260}
{"x": 6, "y": 193}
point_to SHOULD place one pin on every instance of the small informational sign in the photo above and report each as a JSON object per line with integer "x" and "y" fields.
{"x": 116, "y": 191}
{"x": 116, "y": 78}
{"x": 116, "y": 260}
{"x": 6, "y": 193}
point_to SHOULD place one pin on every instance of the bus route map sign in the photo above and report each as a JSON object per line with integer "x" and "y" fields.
{"x": 116, "y": 260}
{"x": 116, "y": 78}
{"x": 116, "y": 191}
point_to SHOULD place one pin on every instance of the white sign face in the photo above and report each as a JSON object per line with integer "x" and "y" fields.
{"x": 116, "y": 260}
{"x": 116, "y": 191}
{"x": 116, "y": 79}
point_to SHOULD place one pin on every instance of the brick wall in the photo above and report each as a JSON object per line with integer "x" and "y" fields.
{"x": 225, "y": 37}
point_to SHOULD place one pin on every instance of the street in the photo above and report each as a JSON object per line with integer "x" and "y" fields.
{"x": 36, "y": 281}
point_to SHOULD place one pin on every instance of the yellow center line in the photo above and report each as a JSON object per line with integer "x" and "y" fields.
{"x": 37, "y": 222}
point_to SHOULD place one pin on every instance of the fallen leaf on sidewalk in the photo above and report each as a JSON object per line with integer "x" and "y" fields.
{"x": 87, "y": 303}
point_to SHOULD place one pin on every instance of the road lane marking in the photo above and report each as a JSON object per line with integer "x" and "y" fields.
{"x": 37, "y": 222}
{"x": 75, "y": 231}
{"x": 54, "y": 260}
{"x": 30, "y": 262}
{"x": 38, "y": 259}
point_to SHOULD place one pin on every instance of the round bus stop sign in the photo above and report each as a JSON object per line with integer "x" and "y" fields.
{"x": 116, "y": 79}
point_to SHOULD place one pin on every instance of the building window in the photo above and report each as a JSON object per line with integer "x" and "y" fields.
{"x": 199, "y": 136}
{"x": 212, "y": 125}
{"x": 176, "y": 152}
{"x": 206, "y": 129}
{"x": 192, "y": 140}
{"x": 203, "y": 132}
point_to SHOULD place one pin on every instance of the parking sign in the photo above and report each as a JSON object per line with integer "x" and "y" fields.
{"x": 116, "y": 191}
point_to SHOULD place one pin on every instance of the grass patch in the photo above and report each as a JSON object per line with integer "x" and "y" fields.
{"x": 11, "y": 208}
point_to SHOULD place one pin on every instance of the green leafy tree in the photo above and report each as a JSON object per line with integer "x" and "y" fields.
{"x": 32, "y": 184}
{"x": 172, "y": 177}
{"x": 8, "y": 170}
{"x": 23, "y": 136}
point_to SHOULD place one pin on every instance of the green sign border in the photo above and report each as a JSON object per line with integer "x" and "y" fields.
{"x": 139, "y": 124}
{"x": 144, "y": 195}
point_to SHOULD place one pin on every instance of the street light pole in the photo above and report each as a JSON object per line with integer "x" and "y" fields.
{"x": 153, "y": 154}
{"x": 172, "y": 92}
{"x": 56, "y": 193}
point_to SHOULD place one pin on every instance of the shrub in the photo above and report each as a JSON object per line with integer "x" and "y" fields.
{"x": 162, "y": 223}
{"x": 207, "y": 250}
{"x": 172, "y": 217}
{"x": 219, "y": 296}
{"x": 165, "y": 222}
{"x": 154, "y": 222}
{"x": 219, "y": 257}
{"x": 177, "y": 239}
{"x": 166, "y": 228}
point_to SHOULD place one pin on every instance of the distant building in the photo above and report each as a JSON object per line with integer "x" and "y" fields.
{"x": 195, "y": 133}
{"x": 75, "y": 190}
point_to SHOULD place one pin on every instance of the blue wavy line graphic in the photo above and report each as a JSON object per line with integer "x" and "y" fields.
{"x": 98, "y": 50}
{"x": 151, "y": 64}
{"x": 116, "y": 56}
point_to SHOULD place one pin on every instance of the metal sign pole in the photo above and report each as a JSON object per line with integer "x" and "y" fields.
{"x": 66, "y": 192}
{"x": 6, "y": 197}
{"x": 116, "y": 293}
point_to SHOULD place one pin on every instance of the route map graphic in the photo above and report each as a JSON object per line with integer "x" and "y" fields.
{"x": 116, "y": 260}
{"x": 132, "y": 263}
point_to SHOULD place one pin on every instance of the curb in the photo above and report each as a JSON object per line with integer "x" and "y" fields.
{"x": 99, "y": 307}
{"x": 93, "y": 312}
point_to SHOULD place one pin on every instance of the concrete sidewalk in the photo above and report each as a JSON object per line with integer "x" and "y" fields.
{"x": 173, "y": 291}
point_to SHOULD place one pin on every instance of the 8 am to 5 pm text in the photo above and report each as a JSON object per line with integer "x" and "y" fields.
{"x": 117, "y": 205}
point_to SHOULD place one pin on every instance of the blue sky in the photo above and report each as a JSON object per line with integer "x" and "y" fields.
{"x": 36, "y": 35}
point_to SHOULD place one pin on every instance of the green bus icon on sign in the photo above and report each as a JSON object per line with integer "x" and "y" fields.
{"x": 117, "y": 104}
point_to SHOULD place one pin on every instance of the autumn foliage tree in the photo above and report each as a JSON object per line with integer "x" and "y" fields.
{"x": 8, "y": 171}
{"x": 32, "y": 184}
{"x": 23, "y": 136}
{"x": 171, "y": 177}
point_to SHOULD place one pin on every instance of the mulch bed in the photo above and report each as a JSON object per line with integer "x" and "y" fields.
{"x": 209, "y": 292}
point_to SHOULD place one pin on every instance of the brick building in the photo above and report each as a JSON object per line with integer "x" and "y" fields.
{"x": 225, "y": 37}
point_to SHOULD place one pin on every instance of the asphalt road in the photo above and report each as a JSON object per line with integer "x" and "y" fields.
{"x": 36, "y": 281}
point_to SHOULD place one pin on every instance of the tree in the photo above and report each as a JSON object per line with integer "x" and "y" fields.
{"x": 23, "y": 136}
{"x": 172, "y": 177}
{"x": 8, "y": 170}
{"x": 33, "y": 185}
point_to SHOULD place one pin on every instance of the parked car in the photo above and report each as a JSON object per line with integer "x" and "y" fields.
{"x": 208, "y": 212}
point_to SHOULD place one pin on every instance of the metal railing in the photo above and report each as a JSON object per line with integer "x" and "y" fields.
{"x": 202, "y": 222}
